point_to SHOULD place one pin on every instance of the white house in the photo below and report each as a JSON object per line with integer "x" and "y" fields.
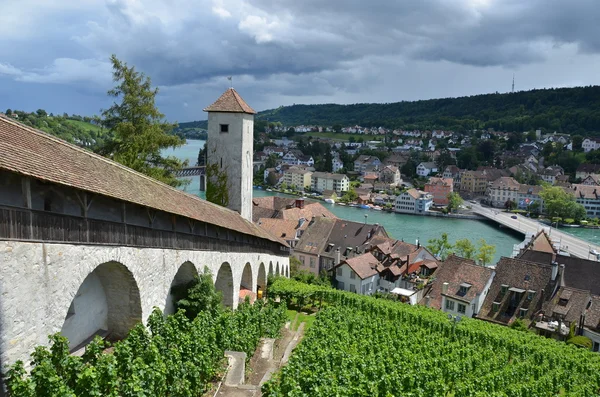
{"x": 321, "y": 181}
{"x": 460, "y": 287}
{"x": 336, "y": 164}
{"x": 359, "y": 274}
{"x": 426, "y": 168}
{"x": 413, "y": 201}
{"x": 590, "y": 144}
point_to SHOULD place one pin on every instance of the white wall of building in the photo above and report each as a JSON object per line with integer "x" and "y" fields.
{"x": 233, "y": 152}
{"x": 348, "y": 280}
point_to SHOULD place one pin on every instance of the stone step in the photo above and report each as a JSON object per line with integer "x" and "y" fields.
{"x": 237, "y": 368}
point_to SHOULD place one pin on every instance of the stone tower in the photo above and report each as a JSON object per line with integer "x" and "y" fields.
{"x": 230, "y": 147}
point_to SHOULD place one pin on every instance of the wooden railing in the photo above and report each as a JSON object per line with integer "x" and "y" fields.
{"x": 30, "y": 225}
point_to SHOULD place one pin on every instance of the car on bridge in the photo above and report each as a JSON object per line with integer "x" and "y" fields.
{"x": 513, "y": 216}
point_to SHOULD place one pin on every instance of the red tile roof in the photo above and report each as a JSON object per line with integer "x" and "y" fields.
{"x": 365, "y": 265}
{"x": 230, "y": 102}
{"x": 34, "y": 153}
{"x": 456, "y": 271}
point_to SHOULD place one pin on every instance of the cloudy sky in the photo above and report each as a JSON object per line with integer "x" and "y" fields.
{"x": 55, "y": 53}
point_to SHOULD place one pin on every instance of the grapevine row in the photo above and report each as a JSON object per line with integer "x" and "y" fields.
{"x": 172, "y": 356}
{"x": 362, "y": 346}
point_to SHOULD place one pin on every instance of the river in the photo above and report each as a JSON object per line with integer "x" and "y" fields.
{"x": 402, "y": 226}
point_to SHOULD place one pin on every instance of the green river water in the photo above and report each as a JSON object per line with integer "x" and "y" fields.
{"x": 403, "y": 226}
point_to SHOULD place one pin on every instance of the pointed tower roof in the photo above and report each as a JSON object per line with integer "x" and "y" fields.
{"x": 231, "y": 102}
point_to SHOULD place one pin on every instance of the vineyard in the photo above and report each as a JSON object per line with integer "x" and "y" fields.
{"x": 362, "y": 346}
{"x": 172, "y": 356}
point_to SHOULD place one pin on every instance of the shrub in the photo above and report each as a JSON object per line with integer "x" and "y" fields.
{"x": 581, "y": 341}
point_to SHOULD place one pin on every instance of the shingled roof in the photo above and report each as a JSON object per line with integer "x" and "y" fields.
{"x": 230, "y": 102}
{"x": 519, "y": 276}
{"x": 34, "y": 153}
{"x": 457, "y": 271}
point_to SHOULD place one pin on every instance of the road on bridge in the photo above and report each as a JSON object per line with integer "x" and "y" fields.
{"x": 573, "y": 245}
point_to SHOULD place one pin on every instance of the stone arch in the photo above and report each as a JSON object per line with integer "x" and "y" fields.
{"x": 107, "y": 303}
{"x": 261, "y": 279}
{"x": 186, "y": 273}
{"x": 277, "y": 272}
{"x": 270, "y": 268}
{"x": 246, "y": 281}
{"x": 224, "y": 283}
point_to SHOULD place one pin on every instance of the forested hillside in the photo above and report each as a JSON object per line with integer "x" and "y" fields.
{"x": 569, "y": 110}
{"x": 84, "y": 131}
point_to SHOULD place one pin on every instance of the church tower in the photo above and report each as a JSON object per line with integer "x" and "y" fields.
{"x": 229, "y": 152}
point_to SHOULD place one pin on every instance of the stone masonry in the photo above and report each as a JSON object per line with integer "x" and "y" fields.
{"x": 39, "y": 281}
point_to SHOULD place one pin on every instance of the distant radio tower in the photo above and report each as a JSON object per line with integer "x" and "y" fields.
{"x": 513, "y": 85}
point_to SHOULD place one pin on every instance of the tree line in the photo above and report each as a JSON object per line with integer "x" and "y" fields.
{"x": 567, "y": 110}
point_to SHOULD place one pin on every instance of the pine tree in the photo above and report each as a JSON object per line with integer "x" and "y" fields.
{"x": 138, "y": 131}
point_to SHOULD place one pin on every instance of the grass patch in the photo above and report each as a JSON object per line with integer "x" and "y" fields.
{"x": 83, "y": 125}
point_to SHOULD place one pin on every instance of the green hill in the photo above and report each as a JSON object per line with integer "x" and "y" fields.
{"x": 74, "y": 129}
{"x": 568, "y": 110}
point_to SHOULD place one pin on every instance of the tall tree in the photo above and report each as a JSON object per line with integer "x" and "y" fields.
{"x": 577, "y": 142}
{"x": 464, "y": 248}
{"x": 485, "y": 252}
{"x": 138, "y": 130}
{"x": 439, "y": 247}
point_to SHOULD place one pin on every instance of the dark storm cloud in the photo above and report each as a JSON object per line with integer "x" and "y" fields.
{"x": 313, "y": 50}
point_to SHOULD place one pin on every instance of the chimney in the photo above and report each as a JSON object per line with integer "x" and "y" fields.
{"x": 338, "y": 256}
{"x": 418, "y": 244}
{"x": 356, "y": 249}
{"x": 300, "y": 203}
{"x": 554, "y": 270}
{"x": 561, "y": 272}
{"x": 445, "y": 288}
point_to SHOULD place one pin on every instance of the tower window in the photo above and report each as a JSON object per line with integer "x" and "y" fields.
{"x": 224, "y": 128}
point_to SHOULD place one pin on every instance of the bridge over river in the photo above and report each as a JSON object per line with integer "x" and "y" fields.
{"x": 194, "y": 171}
{"x": 571, "y": 244}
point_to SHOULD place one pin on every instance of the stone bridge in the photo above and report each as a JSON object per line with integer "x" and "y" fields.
{"x": 89, "y": 247}
{"x": 80, "y": 290}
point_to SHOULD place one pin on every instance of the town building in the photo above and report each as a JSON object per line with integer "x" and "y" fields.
{"x": 390, "y": 175}
{"x": 586, "y": 169}
{"x": 359, "y": 274}
{"x": 321, "y": 181}
{"x": 518, "y": 290}
{"x": 413, "y": 201}
{"x": 460, "y": 287}
{"x": 363, "y": 161}
{"x": 439, "y": 188}
{"x": 287, "y": 208}
{"x": 474, "y": 182}
{"x": 589, "y": 197}
{"x": 426, "y": 168}
{"x": 528, "y": 195}
{"x": 453, "y": 172}
{"x": 591, "y": 180}
{"x": 590, "y": 144}
{"x": 549, "y": 174}
{"x": 576, "y": 304}
{"x": 298, "y": 178}
{"x": 501, "y": 191}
